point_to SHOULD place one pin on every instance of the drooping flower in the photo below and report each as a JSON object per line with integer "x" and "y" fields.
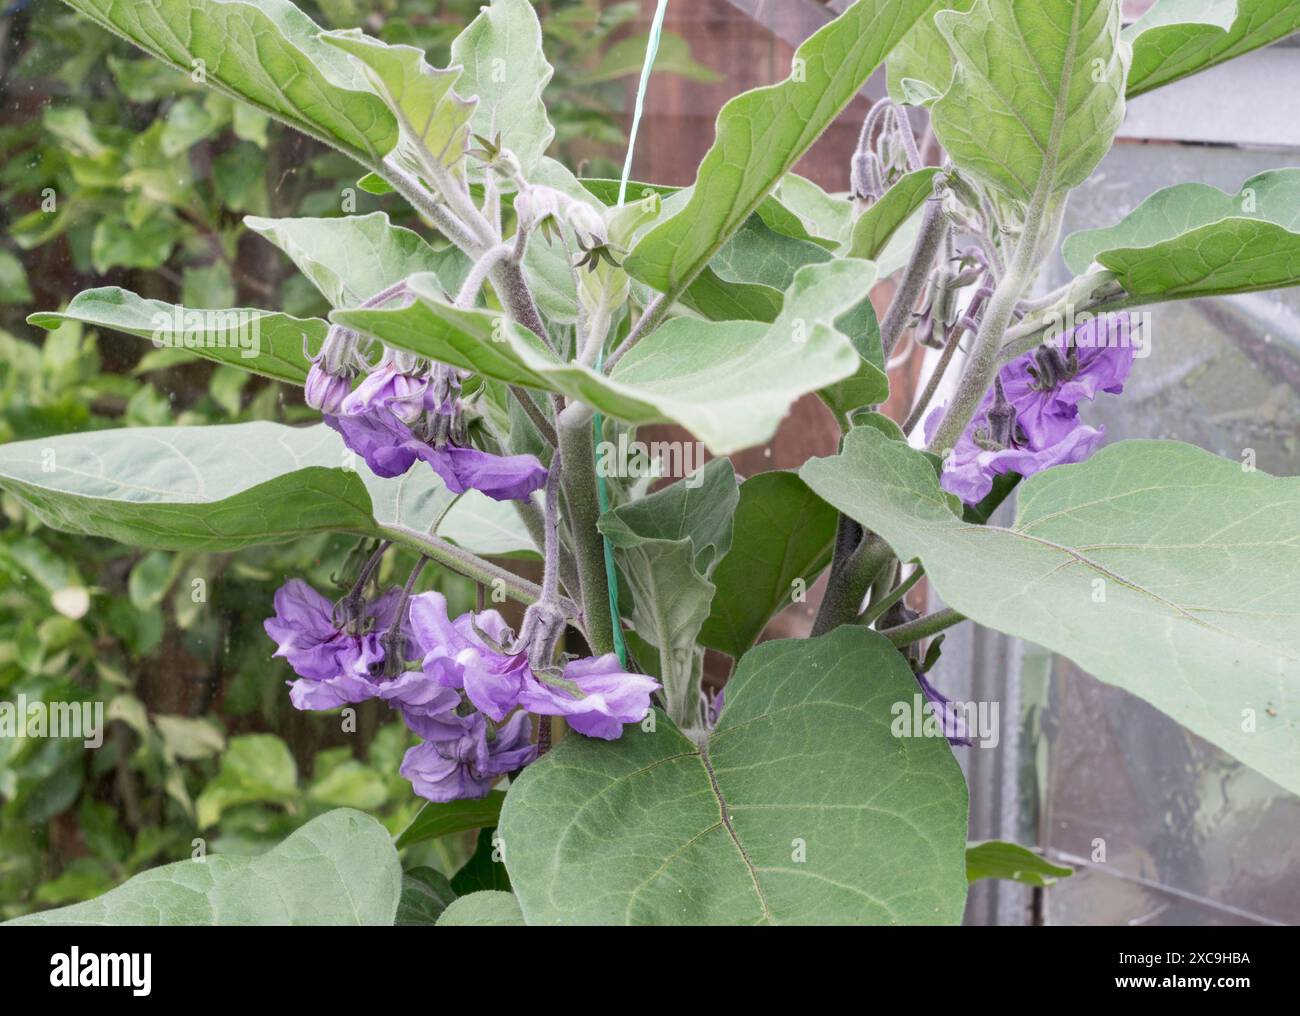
{"x": 390, "y": 449}
{"x": 952, "y": 721}
{"x": 426, "y": 707}
{"x": 595, "y": 695}
{"x": 466, "y": 761}
{"x": 335, "y": 660}
{"x": 404, "y": 387}
{"x": 469, "y": 653}
{"x": 1030, "y": 420}
{"x": 325, "y": 391}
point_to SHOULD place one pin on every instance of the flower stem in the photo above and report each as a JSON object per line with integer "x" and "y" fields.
{"x": 464, "y": 563}
{"x": 934, "y": 227}
{"x": 893, "y": 596}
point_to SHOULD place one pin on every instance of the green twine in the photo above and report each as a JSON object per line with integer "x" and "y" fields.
{"x": 602, "y": 493}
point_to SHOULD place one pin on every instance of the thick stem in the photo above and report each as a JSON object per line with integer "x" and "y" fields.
{"x": 437, "y": 214}
{"x": 580, "y": 496}
{"x": 923, "y": 627}
{"x": 934, "y": 227}
{"x": 846, "y": 589}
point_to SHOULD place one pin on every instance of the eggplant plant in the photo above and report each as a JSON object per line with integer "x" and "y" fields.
{"x": 480, "y": 383}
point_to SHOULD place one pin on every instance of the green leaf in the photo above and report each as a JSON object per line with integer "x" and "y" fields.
{"x": 801, "y": 807}
{"x": 441, "y": 818}
{"x": 259, "y": 341}
{"x": 667, "y": 545}
{"x": 13, "y": 279}
{"x": 922, "y": 57}
{"x": 826, "y": 217}
{"x": 1155, "y": 566}
{"x": 426, "y": 894}
{"x": 255, "y": 768}
{"x": 267, "y": 54}
{"x": 783, "y": 533}
{"x": 1177, "y": 38}
{"x": 1037, "y": 94}
{"x": 877, "y": 225}
{"x": 351, "y": 259}
{"x": 483, "y": 909}
{"x": 501, "y": 53}
{"x": 433, "y": 119}
{"x": 761, "y": 135}
{"x": 1011, "y": 861}
{"x": 215, "y": 488}
{"x": 1194, "y": 240}
{"x": 483, "y": 871}
{"x": 338, "y": 869}
{"x": 728, "y": 383}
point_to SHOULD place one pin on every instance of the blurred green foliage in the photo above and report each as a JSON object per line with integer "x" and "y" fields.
{"x": 119, "y": 171}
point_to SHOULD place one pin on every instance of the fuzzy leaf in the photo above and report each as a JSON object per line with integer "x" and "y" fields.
{"x": 761, "y": 135}
{"x": 1195, "y": 240}
{"x": 338, "y": 869}
{"x": 1037, "y": 94}
{"x": 802, "y": 807}
{"x": 1155, "y": 566}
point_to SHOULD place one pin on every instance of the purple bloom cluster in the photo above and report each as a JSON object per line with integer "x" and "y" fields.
{"x": 1030, "y": 420}
{"x": 470, "y": 677}
{"x": 407, "y": 409}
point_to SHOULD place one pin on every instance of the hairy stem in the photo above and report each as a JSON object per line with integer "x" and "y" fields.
{"x": 650, "y": 317}
{"x": 580, "y": 496}
{"x": 983, "y": 363}
{"x": 934, "y": 228}
{"x": 482, "y": 267}
{"x": 470, "y": 565}
{"x": 878, "y": 608}
{"x": 923, "y": 627}
{"x": 847, "y": 588}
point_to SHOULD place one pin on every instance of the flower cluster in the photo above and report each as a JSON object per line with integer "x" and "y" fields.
{"x": 1030, "y": 420}
{"x": 471, "y": 675}
{"x": 406, "y": 409}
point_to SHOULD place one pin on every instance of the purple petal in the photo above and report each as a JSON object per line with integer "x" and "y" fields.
{"x": 500, "y": 477}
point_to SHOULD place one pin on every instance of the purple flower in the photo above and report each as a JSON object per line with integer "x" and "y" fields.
{"x": 951, "y": 718}
{"x": 390, "y": 449}
{"x": 595, "y": 695}
{"x": 468, "y": 653}
{"x": 1030, "y": 420}
{"x": 426, "y": 707}
{"x": 397, "y": 385}
{"x": 325, "y": 391}
{"x": 336, "y": 663}
{"x": 467, "y": 761}
{"x": 321, "y": 652}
